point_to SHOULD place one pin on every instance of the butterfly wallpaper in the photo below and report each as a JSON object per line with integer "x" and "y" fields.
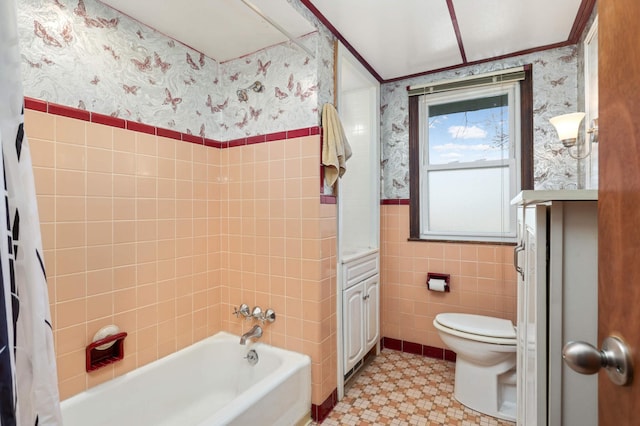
{"x": 555, "y": 81}
{"x": 83, "y": 54}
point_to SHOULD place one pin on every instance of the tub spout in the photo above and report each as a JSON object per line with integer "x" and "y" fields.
{"x": 256, "y": 331}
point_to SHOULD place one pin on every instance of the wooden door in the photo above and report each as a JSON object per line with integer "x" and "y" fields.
{"x": 619, "y": 199}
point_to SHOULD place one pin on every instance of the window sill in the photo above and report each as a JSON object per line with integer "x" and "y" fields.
{"x": 444, "y": 240}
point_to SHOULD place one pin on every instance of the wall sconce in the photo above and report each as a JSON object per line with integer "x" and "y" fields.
{"x": 568, "y": 126}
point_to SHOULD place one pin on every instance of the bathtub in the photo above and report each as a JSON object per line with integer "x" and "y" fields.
{"x": 208, "y": 383}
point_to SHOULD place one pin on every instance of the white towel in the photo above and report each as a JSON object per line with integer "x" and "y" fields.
{"x": 335, "y": 147}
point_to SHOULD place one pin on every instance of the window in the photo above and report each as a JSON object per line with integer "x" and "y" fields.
{"x": 466, "y": 150}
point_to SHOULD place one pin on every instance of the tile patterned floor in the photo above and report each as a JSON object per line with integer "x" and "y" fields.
{"x": 398, "y": 388}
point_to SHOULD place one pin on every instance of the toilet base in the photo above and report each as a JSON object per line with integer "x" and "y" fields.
{"x": 490, "y": 391}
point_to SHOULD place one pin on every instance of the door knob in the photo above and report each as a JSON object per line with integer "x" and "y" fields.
{"x": 614, "y": 357}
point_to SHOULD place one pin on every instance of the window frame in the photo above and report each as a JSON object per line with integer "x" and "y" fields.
{"x": 524, "y": 123}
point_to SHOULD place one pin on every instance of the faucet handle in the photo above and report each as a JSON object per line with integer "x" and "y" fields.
{"x": 257, "y": 313}
{"x": 268, "y": 316}
{"x": 244, "y": 311}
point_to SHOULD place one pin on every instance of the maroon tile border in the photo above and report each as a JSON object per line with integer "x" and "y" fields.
{"x": 107, "y": 120}
{"x": 321, "y": 170}
{"x": 236, "y": 142}
{"x": 141, "y": 127}
{"x": 80, "y": 114}
{"x": 275, "y": 136}
{"x": 212, "y": 143}
{"x": 298, "y": 133}
{"x": 66, "y": 111}
{"x": 432, "y": 352}
{"x": 256, "y": 139}
{"x": 320, "y": 412}
{"x": 395, "y": 344}
{"x": 412, "y": 348}
{"x": 395, "y": 202}
{"x": 167, "y": 133}
{"x": 449, "y": 355}
{"x": 192, "y": 138}
{"x": 418, "y": 349}
{"x": 328, "y": 199}
{"x": 35, "y": 104}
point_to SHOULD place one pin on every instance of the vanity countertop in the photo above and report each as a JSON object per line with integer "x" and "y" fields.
{"x": 538, "y": 196}
{"x": 350, "y": 255}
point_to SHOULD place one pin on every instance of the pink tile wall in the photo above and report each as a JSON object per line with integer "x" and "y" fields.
{"x": 164, "y": 238}
{"x": 277, "y": 249}
{"x": 127, "y": 240}
{"x": 483, "y": 280}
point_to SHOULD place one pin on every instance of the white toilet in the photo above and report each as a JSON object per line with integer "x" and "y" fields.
{"x": 485, "y": 350}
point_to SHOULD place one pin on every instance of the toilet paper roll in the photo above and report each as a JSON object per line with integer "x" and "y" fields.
{"x": 436, "y": 284}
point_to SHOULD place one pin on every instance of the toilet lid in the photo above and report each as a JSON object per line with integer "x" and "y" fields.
{"x": 479, "y": 325}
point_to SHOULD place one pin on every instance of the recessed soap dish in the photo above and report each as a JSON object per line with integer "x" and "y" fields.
{"x": 103, "y": 333}
{"x": 107, "y": 347}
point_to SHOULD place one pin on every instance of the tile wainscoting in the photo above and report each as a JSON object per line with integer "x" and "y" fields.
{"x": 164, "y": 238}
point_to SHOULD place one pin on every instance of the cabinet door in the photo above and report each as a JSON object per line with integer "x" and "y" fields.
{"x": 353, "y": 305}
{"x": 371, "y": 311}
{"x": 573, "y": 304}
{"x": 532, "y": 320}
{"x": 519, "y": 256}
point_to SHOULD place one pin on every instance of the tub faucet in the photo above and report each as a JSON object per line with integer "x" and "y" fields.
{"x": 256, "y": 331}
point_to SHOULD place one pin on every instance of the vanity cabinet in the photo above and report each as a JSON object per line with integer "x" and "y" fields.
{"x": 556, "y": 262}
{"x": 361, "y": 320}
{"x": 358, "y": 217}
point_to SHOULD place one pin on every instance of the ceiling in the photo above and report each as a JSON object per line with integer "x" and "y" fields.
{"x": 221, "y": 29}
{"x": 393, "y": 39}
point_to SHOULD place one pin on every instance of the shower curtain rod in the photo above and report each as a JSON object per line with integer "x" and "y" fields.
{"x": 275, "y": 25}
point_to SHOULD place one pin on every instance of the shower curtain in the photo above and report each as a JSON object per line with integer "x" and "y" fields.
{"x": 28, "y": 378}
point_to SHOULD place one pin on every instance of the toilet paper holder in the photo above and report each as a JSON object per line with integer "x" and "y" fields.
{"x": 438, "y": 279}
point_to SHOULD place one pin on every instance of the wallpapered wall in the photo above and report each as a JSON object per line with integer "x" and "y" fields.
{"x": 83, "y": 54}
{"x": 554, "y": 92}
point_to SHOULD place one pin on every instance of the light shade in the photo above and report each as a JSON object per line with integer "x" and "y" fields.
{"x": 567, "y": 126}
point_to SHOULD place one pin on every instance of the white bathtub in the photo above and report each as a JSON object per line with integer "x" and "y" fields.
{"x": 208, "y": 383}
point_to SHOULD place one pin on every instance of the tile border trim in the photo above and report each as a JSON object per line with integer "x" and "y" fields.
{"x": 320, "y": 412}
{"x": 418, "y": 349}
{"x": 93, "y": 117}
{"x": 395, "y": 202}
{"x": 328, "y": 199}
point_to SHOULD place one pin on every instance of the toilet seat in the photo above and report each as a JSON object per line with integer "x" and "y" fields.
{"x": 486, "y": 361}
{"x": 477, "y": 327}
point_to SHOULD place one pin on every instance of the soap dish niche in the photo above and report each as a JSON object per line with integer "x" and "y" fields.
{"x": 106, "y": 348}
